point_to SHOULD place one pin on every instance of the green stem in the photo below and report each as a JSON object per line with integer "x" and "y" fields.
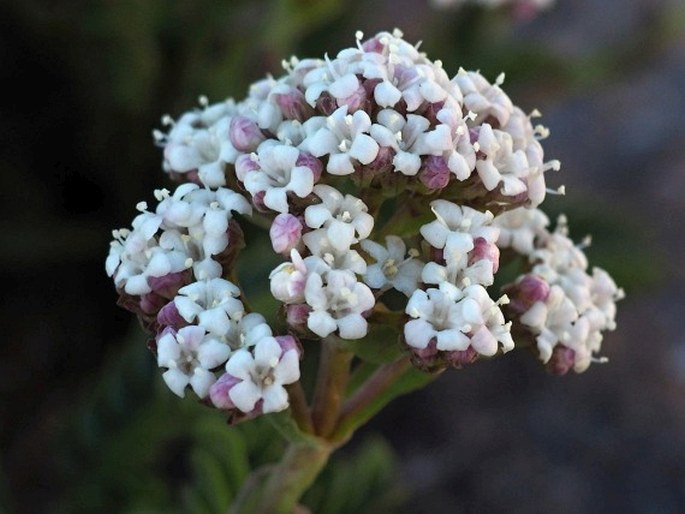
{"x": 334, "y": 371}
{"x": 299, "y": 408}
{"x": 276, "y": 489}
{"x": 388, "y": 382}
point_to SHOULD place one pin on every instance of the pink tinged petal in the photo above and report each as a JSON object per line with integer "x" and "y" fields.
{"x": 245, "y": 395}
{"x": 321, "y": 323}
{"x": 244, "y": 165}
{"x": 418, "y": 333}
{"x": 339, "y": 164}
{"x": 288, "y": 369}
{"x": 218, "y": 392}
{"x": 484, "y": 342}
{"x": 311, "y": 162}
{"x": 386, "y": 95}
{"x": 176, "y": 381}
{"x": 245, "y": 134}
{"x": 451, "y": 340}
{"x": 240, "y": 364}
{"x": 288, "y": 343}
{"x": 301, "y": 181}
{"x": 364, "y": 148}
{"x": 201, "y": 381}
{"x": 316, "y": 215}
{"x": 213, "y": 353}
{"x": 407, "y": 163}
{"x": 285, "y": 233}
{"x": 267, "y": 352}
{"x": 192, "y": 336}
{"x": 352, "y": 326}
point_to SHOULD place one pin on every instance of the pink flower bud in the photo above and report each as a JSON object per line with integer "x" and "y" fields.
{"x": 562, "y": 360}
{"x": 290, "y": 343}
{"x": 258, "y": 201}
{"x": 459, "y": 359}
{"x": 326, "y": 104}
{"x": 168, "y": 285}
{"x": 218, "y": 392}
{"x": 373, "y": 45}
{"x": 312, "y": 163}
{"x": 151, "y": 303}
{"x": 434, "y": 174}
{"x": 285, "y": 233}
{"x": 484, "y": 250}
{"x": 168, "y": 316}
{"x": 431, "y": 113}
{"x": 244, "y": 164}
{"x": 382, "y": 162}
{"x": 296, "y": 316}
{"x": 527, "y": 291}
{"x": 244, "y": 134}
{"x": 355, "y": 101}
{"x": 437, "y": 255}
{"x": 428, "y": 358}
{"x": 293, "y": 105}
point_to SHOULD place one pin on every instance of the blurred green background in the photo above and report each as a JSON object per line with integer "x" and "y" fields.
{"x": 85, "y": 423}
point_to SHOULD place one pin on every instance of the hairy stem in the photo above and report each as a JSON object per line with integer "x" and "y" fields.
{"x": 334, "y": 371}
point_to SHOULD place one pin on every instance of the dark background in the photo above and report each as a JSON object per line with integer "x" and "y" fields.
{"x": 84, "y": 84}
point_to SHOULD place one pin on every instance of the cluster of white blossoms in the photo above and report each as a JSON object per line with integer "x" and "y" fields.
{"x": 340, "y": 156}
{"x": 564, "y": 307}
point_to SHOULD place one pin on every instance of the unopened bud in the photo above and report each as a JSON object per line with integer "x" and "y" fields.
{"x": 218, "y": 392}
{"x": 562, "y": 360}
{"x": 290, "y": 343}
{"x": 244, "y": 164}
{"x": 245, "y": 134}
{"x": 482, "y": 249}
{"x": 434, "y": 174}
{"x": 311, "y": 162}
{"x": 285, "y": 233}
{"x": 293, "y": 105}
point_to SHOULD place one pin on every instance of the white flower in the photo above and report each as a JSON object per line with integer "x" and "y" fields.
{"x": 245, "y": 331}
{"x": 213, "y": 303}
{"x": 392, "y": 268}
{"x": 263, "y": 376}
{"x": 519, "y": 228}
{"x": 457, "y": 319}
{"x": 288, "y": 280}
{"x": 411, "y": 138}
{"x": 189, "y": 358}
{"x": 326, "y": 257}
{"x": 276, "y": 174}
{"x": 341, "y": 216}
{"x": 199, "y": 142}
{"x": 457, "y": 226}
{"x": 343, "y": 137}
{"x": 482, "y": 98}
{"x": 338, "y": 304}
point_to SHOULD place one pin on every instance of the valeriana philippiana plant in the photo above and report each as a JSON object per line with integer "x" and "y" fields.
{"x": 394, "y": 193}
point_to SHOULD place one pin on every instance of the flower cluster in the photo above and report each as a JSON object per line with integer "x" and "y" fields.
{"x": 558, "y": 302}
{"x": 384, "y": 182}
